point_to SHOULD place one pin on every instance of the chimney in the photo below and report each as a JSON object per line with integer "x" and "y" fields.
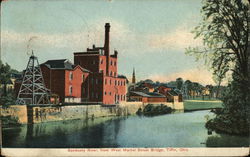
{"x": 106, "y": 47}
{"x": 106, "y": 44}
{"x": 116, "y": 53}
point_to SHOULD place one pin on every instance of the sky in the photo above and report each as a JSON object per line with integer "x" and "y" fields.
{"x": 149, "y": 35}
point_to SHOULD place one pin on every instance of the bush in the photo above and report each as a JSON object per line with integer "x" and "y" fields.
{"x": 7, "y": 99}
{"x": 151, "y": 110}
{"x": 234, "y": 117}
{"x": 9, "y": 121}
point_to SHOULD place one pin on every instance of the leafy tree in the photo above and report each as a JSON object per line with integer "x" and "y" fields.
{"x": 225, "y": 32}
{"x": 179, "y": 83}
{"x": 211, "y": 90}
{"x": 5, "y": 73}
{"x": 188, "y": 86}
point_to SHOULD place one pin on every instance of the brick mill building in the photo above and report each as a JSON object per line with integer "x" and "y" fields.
{"x": 92, "y": 78}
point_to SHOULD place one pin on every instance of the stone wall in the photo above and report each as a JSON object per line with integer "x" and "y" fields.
{"x": 57, "y": 113}
{"x": 38, "y": 114}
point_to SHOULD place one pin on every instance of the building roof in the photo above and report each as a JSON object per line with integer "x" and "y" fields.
{"x": 177, "y": 91}
{"x": 148, "y": 94}
{"x": 173, "y": 93}
{"x": 92, "y": 51}
{"x": 16, "y": 75}
{"x": 61, "y": 64}
{"x": 122, "y": 76}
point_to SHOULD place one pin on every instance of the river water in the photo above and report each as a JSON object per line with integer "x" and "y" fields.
{"x": 171, "y": 130}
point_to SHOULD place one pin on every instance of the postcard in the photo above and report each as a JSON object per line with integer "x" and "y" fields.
{"x": 125, "y": 78}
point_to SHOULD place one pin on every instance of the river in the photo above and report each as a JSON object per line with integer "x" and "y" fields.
{"x": 171, "y": 130}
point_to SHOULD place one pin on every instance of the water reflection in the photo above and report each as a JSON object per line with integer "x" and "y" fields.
{"x": 172, "y": 130}
{"x": 227, "y": 141}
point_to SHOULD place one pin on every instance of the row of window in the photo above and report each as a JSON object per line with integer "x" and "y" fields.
{"x": 120, "y": 98}
{"x": 117, "y": 83}
{"x": 71, "y": 77}
{"x": 111, "y": 73}
{"x": 111, "y": 62}
{"x": 95, "y": 95}
{"x": 117, "y": 96}
{"x": 94, "y": 81}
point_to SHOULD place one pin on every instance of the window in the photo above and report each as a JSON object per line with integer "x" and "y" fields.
{"x": 114, "y": 73}
{"x": 110, "y": 82}
{"x": 83, "y": 78}
{"x": 93, "y": 62}
{"x": 92, "y": 81}
{"x": 70, "y": 90}
{"x": 101, "y": 61}
{"x": 70, "y": 76}
{"x": 92, "y": 94}
{"x": 105, "y": 81}
{"x": 96, "y": 81}
{"x": 96, "y": 95}
{"x": 111, "y": 73}
{"x": 124, "y": 97}
{"x": 115, "y": 82}
{"x": 115, "y": 63}
{"x": 105, "y": 93}
{"x": 109, "y": 93}
{"x": 83, "y": 90}
{"x": 118, "y": 83}
{"x": 111, "y": 62}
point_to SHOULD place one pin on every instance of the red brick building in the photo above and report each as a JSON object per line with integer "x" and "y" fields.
{"x": 68, "y": 81}
{"x": 171, "y": 94}
{"x": 92, "y": 78}
{"x": 106, "y": 85}
{"x": 150, "y": 97}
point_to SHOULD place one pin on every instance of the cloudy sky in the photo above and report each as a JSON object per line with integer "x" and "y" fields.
{"x": 150, "y": 35}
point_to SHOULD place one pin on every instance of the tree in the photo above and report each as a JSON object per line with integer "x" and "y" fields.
{"x": 225, "y": 32}
{"x": 211, "y": 90}
{"x": 5, "y": 73}
{"x": 188, "y": 86}
{"x": 179, "y": 83}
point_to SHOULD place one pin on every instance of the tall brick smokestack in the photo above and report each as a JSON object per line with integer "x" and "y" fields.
{"x": 106, "y": 46}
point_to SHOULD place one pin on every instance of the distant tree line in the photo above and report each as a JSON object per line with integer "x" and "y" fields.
{"x": 188, "y": 88}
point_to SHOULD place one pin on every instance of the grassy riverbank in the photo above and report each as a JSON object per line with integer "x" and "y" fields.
{"x": 193, "y": 105}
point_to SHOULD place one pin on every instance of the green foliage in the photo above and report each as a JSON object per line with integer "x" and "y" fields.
{"x": 179, "y": 82}
{"x": 225, "y": 32}
{"x": 5, "y": 74}
{"x": 8, "y": 99}
{"x": 152, "y": 110}
{"x": 234, "y": 118}
{"x": 9, "y": 121}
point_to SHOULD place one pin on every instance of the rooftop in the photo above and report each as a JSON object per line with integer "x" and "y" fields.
{"x": 61, "y": 64}
{"x": 148, "y": 94}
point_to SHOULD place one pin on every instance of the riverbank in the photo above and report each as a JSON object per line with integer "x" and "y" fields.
{"x": 49, "y": 113}
{"x": 195, "y": 105}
